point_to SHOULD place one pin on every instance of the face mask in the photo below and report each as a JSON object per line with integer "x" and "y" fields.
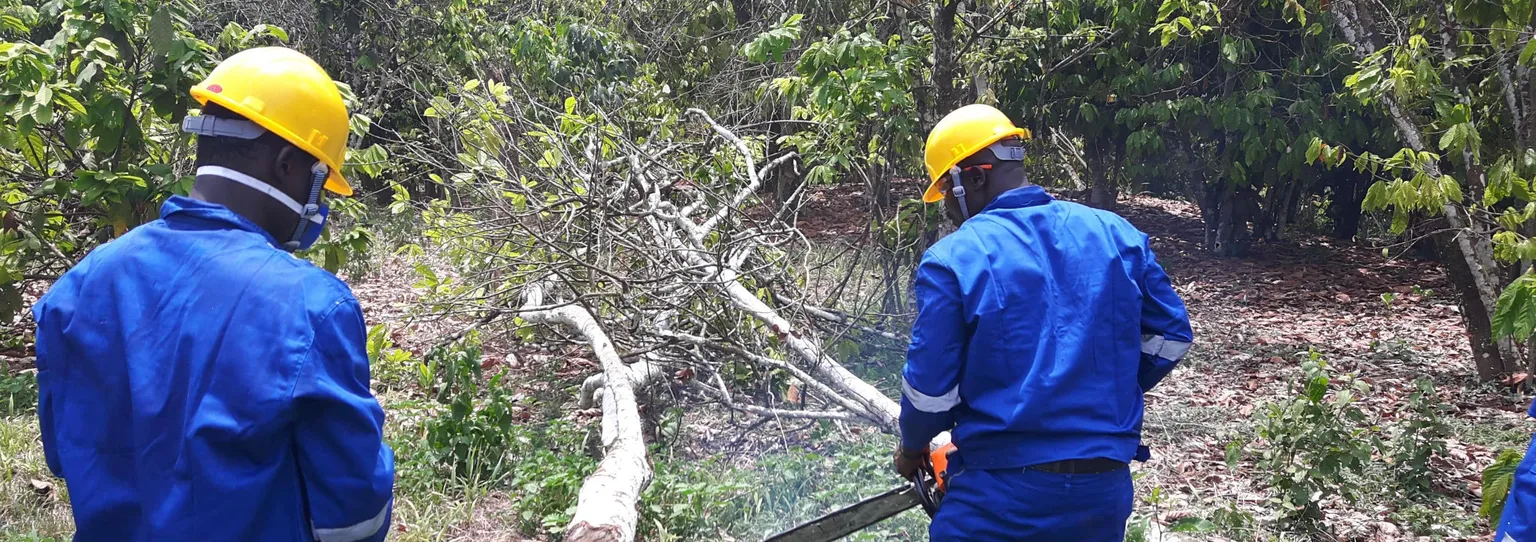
{"x": 312, "y": 215}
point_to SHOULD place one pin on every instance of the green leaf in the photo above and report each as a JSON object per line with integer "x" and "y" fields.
{"x": 1451, "y": 137}
{"x": 1497, "y": 480}
{"x": 1166, "y": 10}
{"x": 1317, "y": 388}
{"x": 1192, "y": 525}
{"x": 570, "y": 105}
{"x": 1518, "y": 11}
{"x": 162, "y": 31}
{"x": 1515, "y": 315}
{"x": 70, "y": 102}
{"x": 14, "y": 24}
{"x": 1314, "y": 150}
{"x": 44, "y": 98}
{"x": 1525, "y": 54}
{"x": 35, "y": 151}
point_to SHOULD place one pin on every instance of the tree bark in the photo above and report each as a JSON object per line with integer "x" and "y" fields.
{"x": 1104, "y": 192}
{"x": 607, "y": 506}
{"x": 946, "y": 71}
{"x": 1468, "y": 252}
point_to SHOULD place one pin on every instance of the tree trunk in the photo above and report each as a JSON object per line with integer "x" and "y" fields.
{"x": 1344, "y": 206}
{"x": 607, "y": 506}
{"x": 1104, "y": 191}
{"x": 1468, "y": 252}
{"x": 946, "y": 67}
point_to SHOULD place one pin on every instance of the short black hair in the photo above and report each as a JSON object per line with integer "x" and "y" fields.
{"x": 234, "y": 152}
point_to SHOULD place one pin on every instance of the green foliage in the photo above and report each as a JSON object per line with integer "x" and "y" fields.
{"x": 692, "y": 500}
{"x": 546, "y": 474}
{"x": 1322, "y": 445}
{"x": 18, "y": 393}
{"x": 346, "y": 240}
{"x": 1516, "y": 312}
{"x": 771, "y": 46}
{"x": 390, "y": 365}
{"x": 1318, "y": 446}
{"x": 92, "y": 94}
{"x": 472, "y": 437}
{"x": 1417, "y": 437}
{"x": 857, "y": 90}
{"x": 1498, "y": 478}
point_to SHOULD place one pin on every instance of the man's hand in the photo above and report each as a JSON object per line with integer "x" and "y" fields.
{"x": 909, "y": 462}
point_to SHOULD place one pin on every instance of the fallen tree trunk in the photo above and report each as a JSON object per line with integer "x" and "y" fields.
{"x": 607, "y": 507}
{"x": 642, "y": 375}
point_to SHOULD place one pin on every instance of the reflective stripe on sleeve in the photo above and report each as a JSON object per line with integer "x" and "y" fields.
{"x": 1156, "y": 345}
{"x": 929, "y": 403}
{"x": 355, "y": 532}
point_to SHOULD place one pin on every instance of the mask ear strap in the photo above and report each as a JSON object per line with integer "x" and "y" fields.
{"x": 957, "y": 189}
{"x": 317, "y": 177}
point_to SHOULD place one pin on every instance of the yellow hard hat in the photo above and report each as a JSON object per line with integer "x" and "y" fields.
{"x": 290, "y": 95}
{"x": 962, "y": 133}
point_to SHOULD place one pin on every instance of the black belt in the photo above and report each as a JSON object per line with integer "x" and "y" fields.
{"x": 1096, "y": 465}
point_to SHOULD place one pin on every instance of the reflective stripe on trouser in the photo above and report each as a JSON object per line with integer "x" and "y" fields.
{"x": 1020, "y": 504}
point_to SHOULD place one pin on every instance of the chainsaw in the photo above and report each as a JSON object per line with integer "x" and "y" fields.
{"x": 927, "y": 489}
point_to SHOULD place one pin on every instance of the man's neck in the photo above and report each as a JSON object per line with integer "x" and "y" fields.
{"x": 242, "y": 201}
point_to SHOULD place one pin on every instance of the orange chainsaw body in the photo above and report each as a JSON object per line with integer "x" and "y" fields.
{"x": 940, "y": 460}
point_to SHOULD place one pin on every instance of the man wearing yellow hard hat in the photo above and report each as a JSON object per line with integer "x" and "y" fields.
{"x": 1040, "y": 324}
{"x": 197, "y": 381}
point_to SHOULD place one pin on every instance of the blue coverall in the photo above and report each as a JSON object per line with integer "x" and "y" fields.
{"x": 1518, "y": 524}
{"x": 199, "y": 384}
{"x": 1040, "y": 323}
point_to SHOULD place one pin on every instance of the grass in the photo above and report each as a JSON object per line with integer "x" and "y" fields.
{"x": 26, "y": 514}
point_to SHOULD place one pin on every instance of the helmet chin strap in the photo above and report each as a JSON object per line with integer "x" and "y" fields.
{"x": 957, "y": 189}
{"x": 311, "y": 208}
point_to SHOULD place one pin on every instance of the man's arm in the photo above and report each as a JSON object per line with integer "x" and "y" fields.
{"x": 931, "y": 378}
{"x": 1165, "y": 332}
{"x": 348, "y": 471}
{"x": 45, "y": 386}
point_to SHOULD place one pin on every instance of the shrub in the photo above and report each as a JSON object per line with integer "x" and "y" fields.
{"x": 1318, "y": 447}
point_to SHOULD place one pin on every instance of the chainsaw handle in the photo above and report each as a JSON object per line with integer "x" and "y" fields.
{"x": 926, "y": 494}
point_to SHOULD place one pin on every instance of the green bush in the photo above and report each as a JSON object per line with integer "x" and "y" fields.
{"x": 390, "y": 365}
{"x": 1417, "y": 438}
{"x": 1321, "y": 445}
{"x": 546, "y": 470}
{"x": 472, "y": 437}
{"x": 692, "y": 500}
{"x": 1318, "y": 447}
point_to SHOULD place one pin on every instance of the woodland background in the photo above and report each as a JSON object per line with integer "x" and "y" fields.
{"x": 642, "y": 268}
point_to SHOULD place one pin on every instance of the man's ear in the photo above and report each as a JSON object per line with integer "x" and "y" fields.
{"x": 976, "y": 179}
{"x": 291, "y": 165}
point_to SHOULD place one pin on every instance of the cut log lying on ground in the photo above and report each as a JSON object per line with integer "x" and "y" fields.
{"x": 607, "y": 506}
{"x": 642, "y": 374}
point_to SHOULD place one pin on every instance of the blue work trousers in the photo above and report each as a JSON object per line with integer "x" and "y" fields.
{"x": 1022, "y": 504}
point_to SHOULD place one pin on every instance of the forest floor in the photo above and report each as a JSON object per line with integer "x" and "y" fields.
{"x": 1256, "y": 318}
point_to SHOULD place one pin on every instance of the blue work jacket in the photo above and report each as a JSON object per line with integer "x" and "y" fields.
{"x": 1040, "y": 324}
{"x": 199, "y": 384}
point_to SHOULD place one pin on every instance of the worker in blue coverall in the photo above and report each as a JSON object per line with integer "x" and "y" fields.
{"x": 1518, "y": 524}
{"x": 198, "y": 382}
{"x": 1040, "y": 324}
